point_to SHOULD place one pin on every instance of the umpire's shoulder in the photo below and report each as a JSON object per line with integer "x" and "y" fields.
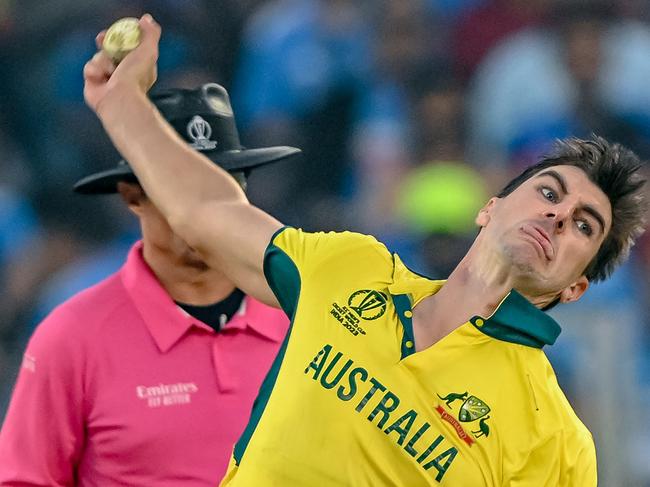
{"x": 83, "y": 315}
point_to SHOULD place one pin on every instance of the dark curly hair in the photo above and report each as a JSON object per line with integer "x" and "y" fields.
{"x": 615, "y": 170}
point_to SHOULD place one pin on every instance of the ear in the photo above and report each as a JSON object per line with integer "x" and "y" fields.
{"x": 133, "y": 195}
{"x": 485, "y": 213}
{"x": 574, "y": 291}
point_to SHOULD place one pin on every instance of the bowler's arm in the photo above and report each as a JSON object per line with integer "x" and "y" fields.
{"x": 202, "y": 203}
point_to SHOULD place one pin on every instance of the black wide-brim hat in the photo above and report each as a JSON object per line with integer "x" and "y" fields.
{"x": 204, "y": 119}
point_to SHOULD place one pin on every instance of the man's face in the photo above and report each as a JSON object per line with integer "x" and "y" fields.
{"x": 157, "y": 235}
{"x": 548, "y": 230}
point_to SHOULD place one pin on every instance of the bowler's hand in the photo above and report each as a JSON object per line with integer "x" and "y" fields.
{"x": 137, "y": 71}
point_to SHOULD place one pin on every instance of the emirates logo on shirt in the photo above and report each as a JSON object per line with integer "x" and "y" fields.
{"x": 167, "y": 394}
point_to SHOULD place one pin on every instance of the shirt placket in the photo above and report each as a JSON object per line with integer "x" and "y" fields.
{"x": 223, "y": 359}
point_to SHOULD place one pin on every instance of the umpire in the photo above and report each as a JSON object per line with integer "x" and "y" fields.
{"x": 147, "y": 378}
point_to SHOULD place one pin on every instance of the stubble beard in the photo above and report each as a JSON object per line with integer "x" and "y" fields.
{"x": 190, "y": 258}
{"x": 522, "y": 259}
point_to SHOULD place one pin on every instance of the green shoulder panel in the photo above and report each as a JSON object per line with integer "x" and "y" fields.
{"x": 282, "y": 275}
{"x": 284, "y": 279}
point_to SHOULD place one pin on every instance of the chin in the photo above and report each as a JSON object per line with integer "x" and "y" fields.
{"x": 525, "y": 260}
{"x": 197, "y": 264}
{"x": 192, "y": 259}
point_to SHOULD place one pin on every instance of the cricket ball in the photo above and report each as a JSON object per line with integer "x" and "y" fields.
{"x": 121, "y": 38}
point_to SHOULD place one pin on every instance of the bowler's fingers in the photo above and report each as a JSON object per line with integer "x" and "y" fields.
{"x": 99, "y": 68}
{"x": 149, "y": 36}
{"x": 141, "y": 62}
{"x": 99, "y": 40}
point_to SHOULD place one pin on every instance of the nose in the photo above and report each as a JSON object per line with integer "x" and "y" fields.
{"x": 559, "y": 215}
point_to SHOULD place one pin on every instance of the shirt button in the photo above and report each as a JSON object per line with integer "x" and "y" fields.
{"x": 479, "y": 322}
{"x": 409, "y": 344}
{"x": 408, "y": 313}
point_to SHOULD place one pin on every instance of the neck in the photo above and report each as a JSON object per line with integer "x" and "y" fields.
{"x": 480, "y": 282}
{"x": 488, "y": 277}
{"x": 187, "y": 282}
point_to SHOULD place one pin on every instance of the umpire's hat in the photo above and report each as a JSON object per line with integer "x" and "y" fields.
{"x": 204, "y": 118}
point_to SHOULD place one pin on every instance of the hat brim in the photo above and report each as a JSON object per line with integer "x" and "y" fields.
{"x": 105, "y": 182}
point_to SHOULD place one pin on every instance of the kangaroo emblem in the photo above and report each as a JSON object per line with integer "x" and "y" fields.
{"x": 483, "y": 428}
{"x": 453, "y": 396}
{"x": 471, "y": 410}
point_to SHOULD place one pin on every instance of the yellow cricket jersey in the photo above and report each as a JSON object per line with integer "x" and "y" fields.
{"x": 349, "y": 402}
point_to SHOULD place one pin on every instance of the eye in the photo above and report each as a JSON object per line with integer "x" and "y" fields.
{"x": 548, "y": 193}
{"x": 584, "y": 227}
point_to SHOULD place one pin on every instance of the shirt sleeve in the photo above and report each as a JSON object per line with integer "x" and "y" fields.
{"x": 563, "y": 459}
{"x": 42, "y": 436}
{"x": 584, "y": 471}
{"x": 295, "y": 260}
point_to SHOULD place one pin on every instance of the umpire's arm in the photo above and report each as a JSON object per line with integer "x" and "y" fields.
{"x": 202, "y": 203}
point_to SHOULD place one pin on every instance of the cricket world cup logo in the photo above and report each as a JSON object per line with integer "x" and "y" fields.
{"x": 200, "y": 131}
{"x": 368, "y": 304}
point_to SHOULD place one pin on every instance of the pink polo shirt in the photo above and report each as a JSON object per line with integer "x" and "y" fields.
{"x": 119, "y": 386}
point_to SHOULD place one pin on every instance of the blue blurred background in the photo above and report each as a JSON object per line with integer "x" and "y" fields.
{"x": 411, "y": 113}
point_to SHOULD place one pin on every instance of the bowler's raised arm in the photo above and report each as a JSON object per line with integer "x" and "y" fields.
{"x": 202, "y": 203}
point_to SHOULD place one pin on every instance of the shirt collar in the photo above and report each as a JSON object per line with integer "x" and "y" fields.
{"x": 254, "y": 315}
{"x": 515, "y": 320}
{"x": 166, "y": 321}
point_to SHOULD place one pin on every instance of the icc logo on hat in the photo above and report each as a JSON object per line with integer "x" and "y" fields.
{"x": 200, "y": 131}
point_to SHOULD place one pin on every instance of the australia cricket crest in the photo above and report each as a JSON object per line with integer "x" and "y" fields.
{"x": 472, "y": 409}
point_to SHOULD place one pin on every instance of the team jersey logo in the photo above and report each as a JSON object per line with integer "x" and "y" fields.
{"x": 364, "y": 305}
{"x": 339, "y": 375}
{"x": 472, "y": 409}
{"x": 368, "y": 304}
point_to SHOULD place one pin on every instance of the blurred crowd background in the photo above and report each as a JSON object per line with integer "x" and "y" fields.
{"x": 410, "y": 113}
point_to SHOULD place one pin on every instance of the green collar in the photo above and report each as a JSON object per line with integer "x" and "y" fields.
{"x": 516, "y": 320}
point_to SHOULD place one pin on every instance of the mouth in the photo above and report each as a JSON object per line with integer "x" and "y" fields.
{"x": 540, "y": 237}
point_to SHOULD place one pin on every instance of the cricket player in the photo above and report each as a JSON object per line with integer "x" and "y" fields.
{"x": 387, "y": 377}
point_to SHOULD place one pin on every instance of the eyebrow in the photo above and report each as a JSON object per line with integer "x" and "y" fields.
{"x": 558, "y": 177}
{"x": 586, "y": 208}
{"x": 593, "y": 212}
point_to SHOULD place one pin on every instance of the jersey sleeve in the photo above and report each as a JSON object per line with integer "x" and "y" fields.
{"x": 565, "y": 458}
{"x": 295, "y": 260}
{"x": 584, "y": 470}
{"x": 43, "y": 434}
